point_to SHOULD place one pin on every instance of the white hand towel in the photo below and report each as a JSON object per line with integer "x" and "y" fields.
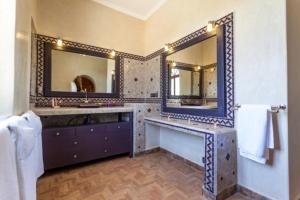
{"x": 34, "y": 121}
{"x": 9, "y": 187}
{"x": 255, "y": 132}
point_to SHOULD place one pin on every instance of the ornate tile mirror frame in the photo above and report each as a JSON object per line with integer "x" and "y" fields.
{"x": 224, "y": 114}
{"x": 48, "y": 47}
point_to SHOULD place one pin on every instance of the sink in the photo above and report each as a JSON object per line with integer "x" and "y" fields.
{"x": 89, "y": 105}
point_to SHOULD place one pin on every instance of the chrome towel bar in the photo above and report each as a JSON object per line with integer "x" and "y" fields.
{"x": 274, "y": 109}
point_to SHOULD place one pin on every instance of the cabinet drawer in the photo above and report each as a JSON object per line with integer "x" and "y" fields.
{"x": 92, "y": 129}
{"x": 115, "y": 137}
{"x": 59, "y": 139}
{"x": 122, "y": 126}
{"x": 117, "y": 147}
{"x": 60, "y": 159}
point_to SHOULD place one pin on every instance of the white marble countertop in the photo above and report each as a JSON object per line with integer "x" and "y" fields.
{"x": 74, "y": 111}
{"x": 192, "y": 126}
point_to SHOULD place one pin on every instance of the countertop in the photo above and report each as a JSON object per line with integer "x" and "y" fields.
{"x": 75, "y": 111}
{"x": 189, "y": 127}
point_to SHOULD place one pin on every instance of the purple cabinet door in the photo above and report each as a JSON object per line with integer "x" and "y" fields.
{"x": 117, "y": 139}
{"x": 60, "y": 147}
{"x": 92, "y": 141}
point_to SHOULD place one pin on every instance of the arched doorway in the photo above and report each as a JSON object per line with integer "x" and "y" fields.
{"x": 84, "y": 82}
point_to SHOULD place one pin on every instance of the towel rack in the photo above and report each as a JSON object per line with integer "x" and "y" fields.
{"x": 274, "y": 109}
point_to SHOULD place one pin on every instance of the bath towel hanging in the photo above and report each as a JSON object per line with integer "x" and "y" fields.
{"x": 255, "y": 132}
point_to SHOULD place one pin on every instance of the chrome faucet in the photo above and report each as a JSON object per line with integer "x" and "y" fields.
{"x": 86, "y": 96}
{"x": 204, "y": 101}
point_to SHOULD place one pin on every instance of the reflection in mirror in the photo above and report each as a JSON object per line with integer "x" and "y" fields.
{"x": 193, "y": 76}
{"x": 73, "y": 72}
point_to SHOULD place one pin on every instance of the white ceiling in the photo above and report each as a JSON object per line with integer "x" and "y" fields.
{"x": 141, "y": 9}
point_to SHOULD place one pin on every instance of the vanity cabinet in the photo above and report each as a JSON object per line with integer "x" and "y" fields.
{"x": 63, "y": 146}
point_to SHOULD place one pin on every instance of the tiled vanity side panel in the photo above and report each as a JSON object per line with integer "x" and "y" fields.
{"x": 153, "y": 77}
{"x": 140, "y": 110}
{"x": 141, "y": 78}
{"x": 226, "y": 161}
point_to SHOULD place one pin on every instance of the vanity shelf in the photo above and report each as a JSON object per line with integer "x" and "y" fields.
{"x": 72, "y": 139}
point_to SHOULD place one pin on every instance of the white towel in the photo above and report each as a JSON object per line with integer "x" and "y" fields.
{"x": 255, "y": 132}
{"x": 34, "y": 121}
{"x": 9, "y": 187}
{"x": 30, "y": 168}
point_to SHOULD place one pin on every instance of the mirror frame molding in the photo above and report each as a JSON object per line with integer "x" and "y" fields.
{"x": 221, "y": 90}
{"x": 48, "y": 47}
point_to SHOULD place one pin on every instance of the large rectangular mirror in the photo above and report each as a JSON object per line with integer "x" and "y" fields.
{"x": 74, "y": 72}
{"x": 194, "y": 78}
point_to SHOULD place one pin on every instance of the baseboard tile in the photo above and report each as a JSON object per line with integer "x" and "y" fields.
{"x": 250, "y": 193}
{"x": 172, "y": 155}
{"x": 148, "y": 151}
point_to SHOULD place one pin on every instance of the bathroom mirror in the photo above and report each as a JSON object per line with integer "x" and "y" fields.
{"x": 73, "y": 72}
{"x": 194, "y": 78}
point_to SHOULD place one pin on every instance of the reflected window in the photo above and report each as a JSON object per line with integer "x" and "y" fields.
{"x": 175, "y": 82}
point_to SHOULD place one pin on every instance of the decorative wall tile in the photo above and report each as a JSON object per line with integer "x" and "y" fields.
{"x": 152, "y": 69}
{"x": 226, "y": 161}
{"x": 141, "y": 79}
{"x": 210, "y": 83}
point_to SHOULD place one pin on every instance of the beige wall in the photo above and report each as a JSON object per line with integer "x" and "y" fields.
{"x": 7, "y": 46}
{"x": 67, "y": 66}
{"x": 260, "y": 67}
{"x": 15, "y": 21}
{"x": 293, "y": 31}
{"x": 91, "y": 23}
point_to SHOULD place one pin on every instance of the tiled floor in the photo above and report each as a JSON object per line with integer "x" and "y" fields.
{"x": 154, "y": 176}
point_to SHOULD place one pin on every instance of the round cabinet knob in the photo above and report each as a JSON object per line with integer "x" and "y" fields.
{"x": 119, "y": 126}
{"x": 105, "y": 150}
{"x": 58, "y": 134}
{"x": 74, "y": 156}
{"x": 105, "y": 138}
{"x": 75, "y": 142}
{"x": 92, "y": 130}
